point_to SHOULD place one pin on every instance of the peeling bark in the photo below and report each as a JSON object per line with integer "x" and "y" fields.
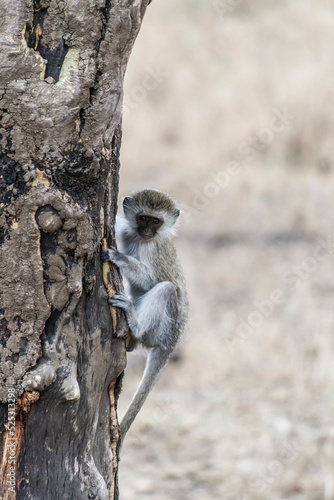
{"x": 62, "y": 349}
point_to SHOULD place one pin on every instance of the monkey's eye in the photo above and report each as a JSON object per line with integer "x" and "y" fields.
{"x": 156, "y": 221}
{"x": 144, "y": 218}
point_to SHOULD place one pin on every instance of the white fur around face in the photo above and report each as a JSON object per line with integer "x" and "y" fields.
{"x": 127, "y": 227}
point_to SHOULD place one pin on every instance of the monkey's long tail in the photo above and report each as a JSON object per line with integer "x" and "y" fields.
{"x": 156, "y": 360}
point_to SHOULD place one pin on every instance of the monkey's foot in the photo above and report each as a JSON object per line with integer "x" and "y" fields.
{"x": 122, "y": 301}
{"x": 70, "y": 390}
{"x": 132, "y": 343}
{"x": 40, "y": 377}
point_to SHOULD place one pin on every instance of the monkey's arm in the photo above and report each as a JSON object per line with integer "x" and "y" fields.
{"x": 136, "y": 272}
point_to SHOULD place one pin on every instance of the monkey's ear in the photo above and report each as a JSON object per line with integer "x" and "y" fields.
{"x": 127, "y": 206}
{"x": 126, "y": 201}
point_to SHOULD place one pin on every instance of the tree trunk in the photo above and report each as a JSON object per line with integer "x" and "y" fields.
{"x": 62, "y": 348}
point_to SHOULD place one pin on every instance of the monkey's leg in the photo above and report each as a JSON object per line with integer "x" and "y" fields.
{"x": 153, "y": 320}
{"x": 157, "y": 316}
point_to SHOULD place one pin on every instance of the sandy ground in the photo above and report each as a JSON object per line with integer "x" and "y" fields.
{"x": 229, "y": 106}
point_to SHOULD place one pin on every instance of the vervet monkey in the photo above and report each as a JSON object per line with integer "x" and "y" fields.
{"x": 157, "y": 308}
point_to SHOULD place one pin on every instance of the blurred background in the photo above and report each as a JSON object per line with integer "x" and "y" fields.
{"x": 229, "y": 106}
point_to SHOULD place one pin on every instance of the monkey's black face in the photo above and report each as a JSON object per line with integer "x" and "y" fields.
{"x": 148, "y": 226}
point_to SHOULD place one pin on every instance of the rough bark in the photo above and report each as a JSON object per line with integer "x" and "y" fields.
{"x": 62, "y": 348}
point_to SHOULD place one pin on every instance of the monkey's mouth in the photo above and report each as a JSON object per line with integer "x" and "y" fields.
{"x": 147, "y": 237}
{"x": 146, "y": 234}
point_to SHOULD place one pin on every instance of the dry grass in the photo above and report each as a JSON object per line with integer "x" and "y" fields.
{"x": 247, "y": 413}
